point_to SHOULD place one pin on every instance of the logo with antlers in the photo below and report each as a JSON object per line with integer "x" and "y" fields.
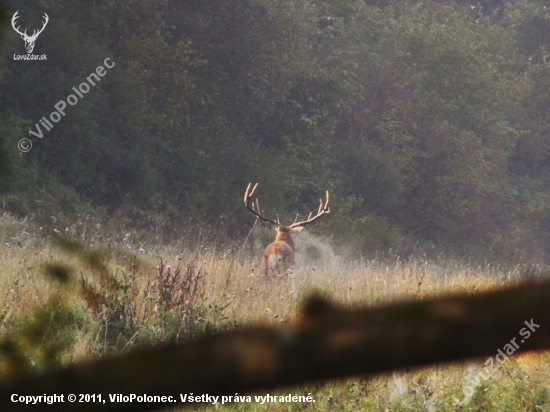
{"x": 29, "y": 40}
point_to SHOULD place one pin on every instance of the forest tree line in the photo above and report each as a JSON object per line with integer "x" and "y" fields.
{"x": 428, "y": 121}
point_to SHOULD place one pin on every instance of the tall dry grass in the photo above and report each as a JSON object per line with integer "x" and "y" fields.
{"x": 127, "y": 293}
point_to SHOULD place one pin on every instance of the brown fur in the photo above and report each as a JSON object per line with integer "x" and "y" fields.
{"x": 278, "y": 256}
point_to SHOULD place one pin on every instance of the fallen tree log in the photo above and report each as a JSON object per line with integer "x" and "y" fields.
{"x": 328, "y": 342}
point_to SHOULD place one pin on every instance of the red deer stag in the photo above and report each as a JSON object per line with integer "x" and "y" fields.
{"x": 278, "y": 256}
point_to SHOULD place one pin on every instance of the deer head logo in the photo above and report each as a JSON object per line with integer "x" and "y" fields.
{"x": 29, "y": 40}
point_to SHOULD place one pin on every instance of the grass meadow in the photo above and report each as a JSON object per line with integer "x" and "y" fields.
{"x": 64, "y": 302}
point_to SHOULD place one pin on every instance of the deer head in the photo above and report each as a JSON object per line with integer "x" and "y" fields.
{"x": 279, "y": 255}
{"x": 29, "y": 40}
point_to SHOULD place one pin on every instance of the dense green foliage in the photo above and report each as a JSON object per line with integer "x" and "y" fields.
{"x": 428, "y": 121}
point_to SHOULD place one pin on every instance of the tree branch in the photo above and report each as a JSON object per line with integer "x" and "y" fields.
{"x": 328, "y": 342}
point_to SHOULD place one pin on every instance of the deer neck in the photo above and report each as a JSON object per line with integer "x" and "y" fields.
{"x": 285, "y": 237}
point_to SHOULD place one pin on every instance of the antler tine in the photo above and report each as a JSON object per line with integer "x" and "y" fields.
{"x": 15, "y": 17}
{"x": 13, "y": 23}
{"x": 247, "y": 196}
{"x": 323, "y": 210}
{"x": 44, "y": 24}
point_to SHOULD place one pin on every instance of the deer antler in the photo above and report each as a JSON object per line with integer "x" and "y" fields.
{"x": 46, "y": 20}
{"x": 323, "y": 210}
{"x": 247, "y": 198}
{"x": 35, "y": 32}
{"x": 15, "y": 17}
